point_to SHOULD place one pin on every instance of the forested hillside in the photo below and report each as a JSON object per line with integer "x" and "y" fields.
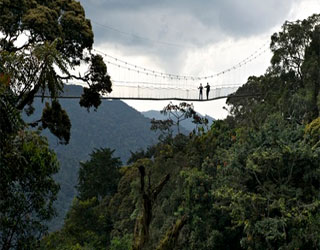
{"x": 251, "y": 182}
{"x": 114, "y": 125}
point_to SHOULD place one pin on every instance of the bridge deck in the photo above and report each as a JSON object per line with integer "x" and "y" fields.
{"x": 140, "y": 98}
{"x": 156, "y": 99}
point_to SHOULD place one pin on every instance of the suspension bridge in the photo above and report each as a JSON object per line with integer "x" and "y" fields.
{"x": 134, "y": 82}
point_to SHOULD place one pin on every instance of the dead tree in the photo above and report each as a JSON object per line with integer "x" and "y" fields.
{"x": 149, "y": 195}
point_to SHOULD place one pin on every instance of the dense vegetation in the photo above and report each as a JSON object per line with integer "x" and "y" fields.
{"x": 251, "y": 182}
{"x": 27, "y": 188}
{"x": 41, "y": 42}
{"x": 106, "y": 127}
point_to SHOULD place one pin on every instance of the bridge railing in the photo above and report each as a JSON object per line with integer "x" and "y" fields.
{"x": 143, "y": 91}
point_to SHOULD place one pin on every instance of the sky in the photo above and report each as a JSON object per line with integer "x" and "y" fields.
{"x": 186, "y": 37}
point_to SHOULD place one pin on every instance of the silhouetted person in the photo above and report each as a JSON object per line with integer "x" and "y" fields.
{"x": 208, "y": 90}
{"x": 200, "y": 92}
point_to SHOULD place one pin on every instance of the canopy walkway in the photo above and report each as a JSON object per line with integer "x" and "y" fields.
{"x": 133, "y": 82}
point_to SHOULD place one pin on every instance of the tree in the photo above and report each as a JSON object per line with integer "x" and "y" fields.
{"x": 10, "y": 122}
{"x": 88, "y": 222}
{"x": 42, "y": 44}
{"x": 311, "y": 75}
{"x": 176, "y": 114}
{"x": 149, "y": 196}
{"x": 289, "y": 45}
{"x": 291, "y": 85}
{"x": 27, "y": 188}
{"x": 270, "y": 186}
{"x": 270, "y": 180}
{"x": 99, "y": 176}
{"x": 165, "y": 128}
{"x": 87, "y": 226}
{"x": 246, "y": 108}
{"x": 296, "y": 59}
{"x": 27, "y": 191}
{"x": 181, "y": 112}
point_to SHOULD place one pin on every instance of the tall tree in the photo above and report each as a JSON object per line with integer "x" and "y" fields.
{"x": 182, "y": 111}
{"x": 88, "y": 222}
{"x": 291, "y": 84}
{"x": 176, "y": 114}
{"x": 27, "y": 188}
{"x": 42, "y": 44}
{"x": 99, "y": 176}
{"x": 296, "y": 61}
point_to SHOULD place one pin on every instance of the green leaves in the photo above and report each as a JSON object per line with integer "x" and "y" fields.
{"x": 99, "y": 177}
{"x": 40, "y": 20}
{"x": 57, "y": 120}
{"x": 57, "y": 39}
{"x": 88, "y": 222}
{"x": 100, "y": 83}
{"x": 312, "y": 132}
{"x": 290, "y": 87}
{"x": 289, "y": 45}
{"x": 10, "y": 121}
{"x": 273, "y": 192}
{"x": 27, "y": 190}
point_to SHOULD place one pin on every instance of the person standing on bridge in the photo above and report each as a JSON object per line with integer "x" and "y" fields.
{"x": 208, "y": 90}
{"x": 200, "y": 92}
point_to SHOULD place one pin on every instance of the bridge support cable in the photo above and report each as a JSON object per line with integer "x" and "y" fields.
{"x": 130, "y": 81}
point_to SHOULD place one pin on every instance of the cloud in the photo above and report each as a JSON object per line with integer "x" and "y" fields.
{"x": 184, "y": 21}
{"x": 205, "y": 36}
{"x": 168, "y": 30}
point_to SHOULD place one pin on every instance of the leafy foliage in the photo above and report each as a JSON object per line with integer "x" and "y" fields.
{"x": 107, "y": 127}
{"x": 88, "y": 222}
{"x": 57, "y": 120}
{"x": 27, "y": 188}
{"x": 99, "y": 177}
{"x": 312, "y": 132}
{"x": 10, "y": 122}
{"x": 269, "y": 186}
{"x": 176, "y": 114}
{"x": 57, "y": 39}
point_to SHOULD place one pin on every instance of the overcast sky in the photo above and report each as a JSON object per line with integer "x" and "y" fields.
{"x": 191, "y": 37}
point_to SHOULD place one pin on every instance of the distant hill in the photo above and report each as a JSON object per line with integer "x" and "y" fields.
{"x": 115, "y": 125}
{"x": 186, "y": 124}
